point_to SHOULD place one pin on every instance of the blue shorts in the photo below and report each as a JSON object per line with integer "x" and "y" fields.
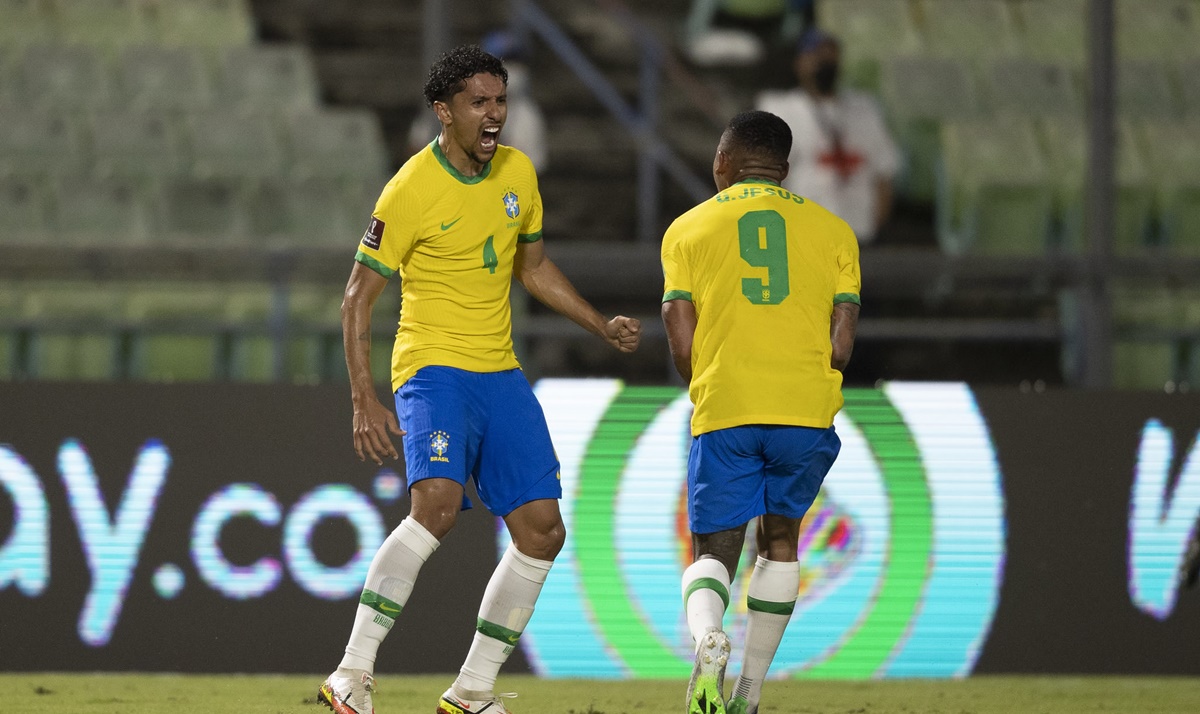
{"x": 484, "y": 425}
{"x": 740, "y": 473}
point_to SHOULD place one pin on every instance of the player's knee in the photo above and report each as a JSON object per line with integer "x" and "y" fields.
{"x": 438, "y": 520}
{"x": 545, "y": 542}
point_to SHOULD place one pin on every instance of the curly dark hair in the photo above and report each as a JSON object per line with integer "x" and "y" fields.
{"x": 450, "y": 73}
{"x": 762, "y": 134}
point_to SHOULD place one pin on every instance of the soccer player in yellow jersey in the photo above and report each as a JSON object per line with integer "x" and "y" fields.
{"x": 761, "y": 305}
{"x": 457, "y": 223}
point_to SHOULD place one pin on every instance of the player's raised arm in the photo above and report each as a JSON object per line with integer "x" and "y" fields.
{"x": 544, "y": 281}
{"x": 372, "y": 420}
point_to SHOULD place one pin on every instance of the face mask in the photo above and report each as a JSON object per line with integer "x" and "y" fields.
{"x": 826, "y": 77}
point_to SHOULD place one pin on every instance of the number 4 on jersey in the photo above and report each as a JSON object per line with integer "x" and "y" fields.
{"x": 762, "y": 236}
{"x": 490, "y": 259}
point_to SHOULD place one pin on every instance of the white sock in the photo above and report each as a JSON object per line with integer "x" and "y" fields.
{"x": 507, "y": 606}
{"x": 389, "y": 583}
{"x": 772, "y": 597}
{"x": 705, "y": 596}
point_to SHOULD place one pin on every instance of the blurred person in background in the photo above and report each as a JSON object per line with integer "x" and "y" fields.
{"x": 763, "y": 361}
{"x": 843, "y": 156}
{"x": 525, "y": 128}
{"x": 458, "y": 223}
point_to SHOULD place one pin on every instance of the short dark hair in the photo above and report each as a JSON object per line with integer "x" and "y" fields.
{"x": 762, "y": 134}
{"x": 448, "y": 76}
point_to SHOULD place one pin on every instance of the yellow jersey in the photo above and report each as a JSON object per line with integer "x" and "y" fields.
{"x": 452, "y": 239}
{"x": 764, "y": 268}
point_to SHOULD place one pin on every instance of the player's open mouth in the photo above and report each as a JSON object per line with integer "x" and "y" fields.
{"x": 490, "y": 136}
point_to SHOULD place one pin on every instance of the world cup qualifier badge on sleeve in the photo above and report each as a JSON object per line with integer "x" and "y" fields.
{"x": 373, "y": 238}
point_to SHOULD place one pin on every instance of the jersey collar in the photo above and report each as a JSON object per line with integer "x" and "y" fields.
{"x": 753, "y": 180}
{"x": 441, "y": 157}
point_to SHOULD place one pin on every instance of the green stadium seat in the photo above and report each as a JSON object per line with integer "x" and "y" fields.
{"x": 1173, "y": 152}
{"x": 249, "y": 311}
{"x": 920, "y": 93}
{"x": 1157, "y": 29}
{"x": 157, "y": 78}
{"x": 110, "y": 211}
{"x": 1189, "y": 312}
{"x": 315, "y": 335}
{"x": 61, "y": 77}
{"x": 310, "y": 212}
{"x": 24, "y": 211}
{"x": 1189, "y": 87}
{"x": 75, "y": 331}
{"x": 12, "y": 296}
{"x": 201, "y": 210}
{"x": 234, "y": 145}
{"x": 179, "y": 332}
{"x": 1053, "y": 30}
{"x": 1148, "y": 361}
{"x": 1066, "y": 149}
{"x": 337, "y": 143}
{"x": 994, "y": 198}
{"x": 135, "y": 144}
{"x": 973, "y": 29}
{"x": 870, "y": 32}
{"x": 103, "y": 23}
{"x": 1144, "y": 91}
{"x": 204, "y": 23}
{"x": 1034, "y": 89}
{"x": 40, "y": 142}
{"x": 25, "y": 22}
{"x": 268, "y": 77}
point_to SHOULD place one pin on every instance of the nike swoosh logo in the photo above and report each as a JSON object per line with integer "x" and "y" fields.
{"x": 385, "y": 608}
{"x": 448, "y": 226}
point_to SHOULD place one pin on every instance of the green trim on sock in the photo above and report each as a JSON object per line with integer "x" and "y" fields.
{"x": 708, "y": 584}
{"x": 380, "y": 604}
{"x": 771, "y": 608}
{"x": 496, "y": 632}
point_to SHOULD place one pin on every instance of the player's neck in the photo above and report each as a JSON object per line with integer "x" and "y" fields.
{"x": 460, "y": 159}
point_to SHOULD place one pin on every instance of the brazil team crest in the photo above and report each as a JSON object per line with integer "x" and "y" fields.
{"x": 511, "y": 208}
{"x": 439, "y": 443}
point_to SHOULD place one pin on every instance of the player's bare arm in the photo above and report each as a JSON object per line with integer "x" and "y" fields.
{"x": 544, "y": 281}
{"x": 842, "y": 327}
{"x": 679, "y": 317}
{"x": 372, "y": 420}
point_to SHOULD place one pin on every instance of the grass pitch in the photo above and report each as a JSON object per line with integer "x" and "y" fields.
{"x": 242, "y": 694}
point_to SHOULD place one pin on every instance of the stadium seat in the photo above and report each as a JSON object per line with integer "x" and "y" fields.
{"x": 1157, "y": 29}
{"x": 204, "y": 23}
{"x": 1189, "y": 88}
{"x": 268, "y": 77}
{"x": 61, "y": 77}
{"x": 1065, "y": 140}
{"x": 108, "y": 211}
{"x": 40, "y": 142}
{"x": 337, "y": 143}
{"x": 234, "y": 145}
{"x": 870, "y": 31}
{"x": 248, "y": 310}
{"x": 25, "y": 22}
{"x": 154, "y": 78}
{"x": 994, "y": 197}
{"x": 919, "y": 94}
{"x": 1189, "y": 312}
{"x": 968, "y": 29}
{"x": 1149, "y": 360}
{"x": 1173, "y": 151}
{"x": 12, "y": 295}
{"x": 179, "y": 332}
{"x": 103, "y": 23}
{"x": 1053, "y": 30}
{"x": 1144, "y": 91}
{"x": 76, "y": 331}
{"x": 315, "y": 335}
{"x": 202, "y": 210}
{"x": 135, "y": 144}
{"x": 1033, "y": 88}
{"x": 24, "y": 211}
{"x": 310, "y": 212}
